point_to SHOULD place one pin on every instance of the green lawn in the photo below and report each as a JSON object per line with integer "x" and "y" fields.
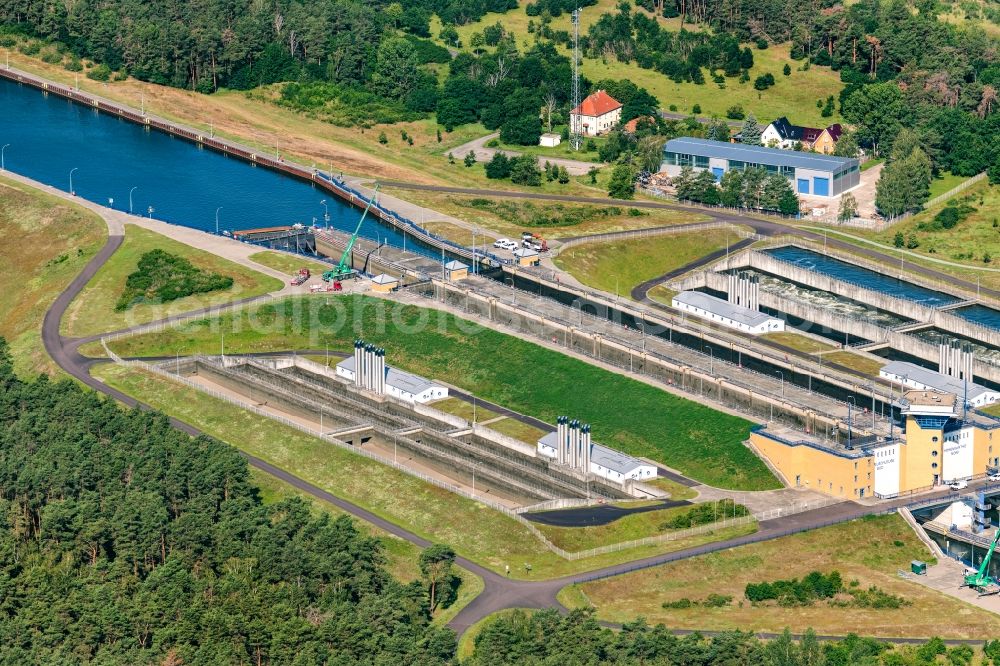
{"x": 676, "y": 490}
{"x": 463, "y": 409}
{"x": 518, "y": 430}
{"x": 617, "y": 267}
{"x": 47, "y": 242}
{"x": 868, "y": 164}
{"x": 287, "y": 263}
{"x": 870, "y": 551}
{"x": 695, "y": 439}
{"x": 563, "y": 151}
{"x": 944, "y": 182}
{"x": 93, "y": 310}
{"x": 797, "y": 341}
{"x": 402, "y": 557}
{"x": 631, "y": 527}
{"x": 474, "y": 530}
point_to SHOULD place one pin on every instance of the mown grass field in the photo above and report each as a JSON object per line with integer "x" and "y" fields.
{"x": 47, "y": 242}
{"x": 93, "y": 310}
{"x": 871, "y": 551}
{"x": 402, "y": 557}
{"x": 944, "y": 182}
{"x": 794, "y": 96}
{"x": 635, "y": 526}
{"x": 474, "y": 530}
{"x": 618, "y": 266}
{"x": 695, "y": 439}
{"x": 287, "y": 263}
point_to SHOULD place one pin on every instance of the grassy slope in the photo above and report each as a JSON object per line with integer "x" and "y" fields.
{"x": 800, "y": 342}
{"x": 47, "y": 242}
{"x": 855, "y": 362}
{"x": 617, "y": 267}
{"x": 475, "y": 531}
{"x": 628, "y": 528}
{"x": 692, "y": 438}
{"x": 93, "y": 311}
{"x": 864, "y": 550}
{"x": 402, "y": 557}
{"x": 794, "y": 96}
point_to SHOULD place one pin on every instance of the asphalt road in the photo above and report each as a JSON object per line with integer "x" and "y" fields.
{"x": 602, "y": 514}
{"x": 499, "y": 592}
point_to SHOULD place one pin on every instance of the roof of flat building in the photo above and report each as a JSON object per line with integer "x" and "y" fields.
{"x": 725, "y": 309}
{"x": 934, "y": 380}
{"x": 455, "y": 265}
{"x": 616, "y": 461}
{"x": 382, "y": 278}
{"x": 757, "y": 154}
{"x": 398, "y": 379}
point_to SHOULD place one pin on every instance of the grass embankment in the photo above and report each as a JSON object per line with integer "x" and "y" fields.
{"x": 635, "y": 526}
{"x": 509, "y": 217}
{"x": 617, "y": 267}
{"x": 661, "y": 294}
{"x": 402, "y": 557}
{"x": 676, "y": 490}
{"x": 869, "y": 366}
{"x": 626, "y": 414}
{"x": 968, "y": 244}
{"x": 993, "y": 410}
{"x": 47, "y": 242}
{"x": 93, "y": 311}
{"x": 287, "y": 263}
{"x": 799, "y": 342}
{"x": 474, "y": 530}
{"x": 794, "y": 96}
{"x": 870, "y": 551}
{"x": 944, "y": 182}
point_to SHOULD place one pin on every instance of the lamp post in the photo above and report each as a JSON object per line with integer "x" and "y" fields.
{"x": 779, "y": 372}
{"x": 130, "y": 198}
{"x": 326, "y": 212}
{"x": 217, "y": 220}
{"x": 850, "y": 405}
{"x": 2, "y": 167}
{"x": 150, "y": 211}
{"x": 71, "y": 190}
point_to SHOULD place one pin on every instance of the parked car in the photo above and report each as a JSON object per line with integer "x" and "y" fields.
{"x": 958, "y": 485}
{"x": 504, "y": 244}
{"x": 995, "y": 476}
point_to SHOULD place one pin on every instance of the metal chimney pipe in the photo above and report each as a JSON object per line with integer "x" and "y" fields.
{"x": 586, "y": 449}
{"x": 357, "y": 362}
{"x": 561, "y": 440}
{"x": 381, "y": 370}
{"x": 574, "y": 438}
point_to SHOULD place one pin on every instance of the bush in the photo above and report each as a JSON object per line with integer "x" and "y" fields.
{"x": 764, "y": 81}
{"x": 735, "y": 112}
{"x": 679, "y": 604}
{"x": 703, "y": 514}
{"x": 696, "y": 109}
{"x": 524, "y": 171}
{"x": 794, "y": 592}
{"x": 100, "y": 73}
{"x": 498, "y": 168}
{"x": 493, "y": 143}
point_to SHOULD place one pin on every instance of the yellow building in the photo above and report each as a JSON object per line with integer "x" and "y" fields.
{"x": 456, "y": 270}
{"x": 936, "y": 446}
{"x": 383, "y": 284}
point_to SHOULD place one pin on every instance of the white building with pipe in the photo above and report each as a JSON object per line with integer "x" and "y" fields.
{"x": 368, "y": 371}
{"x": 570, "y": 445}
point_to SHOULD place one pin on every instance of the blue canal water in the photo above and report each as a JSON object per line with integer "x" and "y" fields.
{"x": 980, "y": 314}
{"x": 861, "y": 277}
{"x": 183, "y": 183}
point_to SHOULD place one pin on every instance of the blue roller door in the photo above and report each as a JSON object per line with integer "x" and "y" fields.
{"x": 821, "y": 186}
{"x": 803, "y": 186}
{"x": 717, "y": 172}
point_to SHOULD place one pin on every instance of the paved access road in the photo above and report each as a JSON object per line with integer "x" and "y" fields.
{"x": 499, "y": 592}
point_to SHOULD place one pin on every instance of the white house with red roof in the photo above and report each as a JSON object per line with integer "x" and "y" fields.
{"x": 597, "y": 114}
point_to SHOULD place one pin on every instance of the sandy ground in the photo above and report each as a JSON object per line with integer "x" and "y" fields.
{"x": 946, "y": 577}
{"x": 863, "y": 193}
{"x": 484, "y": 154}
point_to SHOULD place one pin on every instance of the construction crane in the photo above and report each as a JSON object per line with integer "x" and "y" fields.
{"x": 979, "y": 579}
{"x": 343, "y": 268}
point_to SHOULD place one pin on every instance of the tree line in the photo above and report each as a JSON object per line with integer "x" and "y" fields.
{"x": 125, "y": 541}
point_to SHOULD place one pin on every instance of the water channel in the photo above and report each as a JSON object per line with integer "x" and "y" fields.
{"x": 110, "y": 161}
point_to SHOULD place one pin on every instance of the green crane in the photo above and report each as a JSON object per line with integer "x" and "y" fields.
{"x": 980, "y": 580}
{"x": 343, "y": 268}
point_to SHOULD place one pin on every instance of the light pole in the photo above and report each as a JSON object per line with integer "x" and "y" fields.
{"x": 779, "y": 372}
{"x": 711, "y": 360}
{"x": 850, "y": 404}
{"x": 130, "y": 198}
{"x": 217, "y": 220}
{"x": 71, "y": 190}
{"x": 2, "y": 167}
{"x": 150, "y": 211}
{"x": 326, "y": 212}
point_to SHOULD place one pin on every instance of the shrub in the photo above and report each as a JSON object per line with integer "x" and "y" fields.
{"x": 680, "y": 603}
{"x": 707, "y": 512}
{"x": 100, "y": 73}
{"x": 382, "y": 138}
{"x": 498, "y": 167}
{"x": 764, "y": 81}
{"x": 493, "y": 143}
{"x": 696, "y": 109}
{"x": 794, "y": 592}
{"x": 735, "y": 112}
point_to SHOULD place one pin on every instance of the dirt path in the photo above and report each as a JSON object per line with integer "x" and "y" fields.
{"x": 484, "y": 154}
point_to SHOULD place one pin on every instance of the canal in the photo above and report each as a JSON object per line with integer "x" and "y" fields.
{"x": 110, "y": 160}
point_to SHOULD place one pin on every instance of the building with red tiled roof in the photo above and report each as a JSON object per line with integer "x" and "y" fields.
{"x": 633, "y": 125}
{"x": 597, "y": 114}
